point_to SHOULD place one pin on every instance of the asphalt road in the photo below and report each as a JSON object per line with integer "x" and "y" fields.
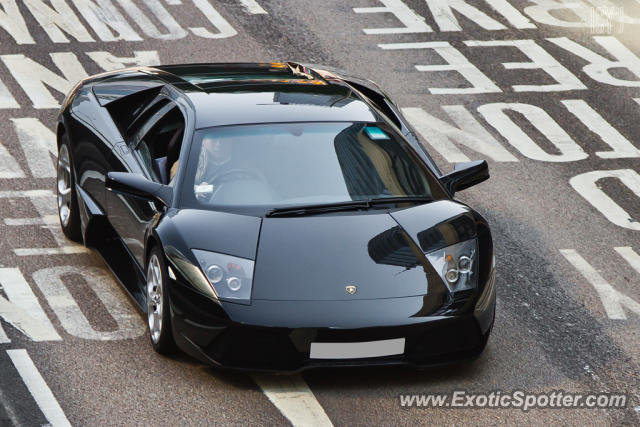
{"x": 560, "y": 129}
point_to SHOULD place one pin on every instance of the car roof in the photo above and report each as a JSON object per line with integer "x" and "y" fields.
{"x": 243, "y": 93}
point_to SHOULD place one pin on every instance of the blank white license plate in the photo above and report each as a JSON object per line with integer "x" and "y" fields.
{"x": 355, "y": 350}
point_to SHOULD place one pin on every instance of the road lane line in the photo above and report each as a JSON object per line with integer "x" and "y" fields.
{"x": 63, "y": 250}
{"x": 4, "y": 339}
{"x": 604, "y": 289}
{"x": 25, "y": 193}
{"x": 46, "y": 220}
{"x": 630, "y": 256}
{"x": 612, "y": 299}
{"x": 294, "y": 399}
{"x": 22, "y": 309}
{"x": 38, "y": 388}
{"x": 253, "y": 7}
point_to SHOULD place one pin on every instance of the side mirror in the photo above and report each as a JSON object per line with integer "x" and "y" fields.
{"x": 132, "y": 184}
{"x": 465, "y": 175}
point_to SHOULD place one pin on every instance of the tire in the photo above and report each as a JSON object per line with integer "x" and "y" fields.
{"x": 68, "y": 211}
{"x": 158, "y": 312}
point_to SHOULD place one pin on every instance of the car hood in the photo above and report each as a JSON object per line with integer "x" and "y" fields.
{"x": 315, "y": 258}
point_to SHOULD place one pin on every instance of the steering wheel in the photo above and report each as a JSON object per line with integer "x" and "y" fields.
{"x": 224, "y": 177}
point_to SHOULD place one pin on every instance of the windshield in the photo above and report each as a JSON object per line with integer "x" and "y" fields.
{"x": 283, "y": 164}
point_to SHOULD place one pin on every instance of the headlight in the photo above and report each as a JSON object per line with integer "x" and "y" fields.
{"x": 457, "y": 265}
{"x": 229, "y": 276}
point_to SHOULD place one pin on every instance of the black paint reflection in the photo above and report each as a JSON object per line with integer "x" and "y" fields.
{"x": 303, "y": 98}
{"x": 447, "y": 233}
{"x": 375, "y": 164}
{"x": 392, "y": 248}
{"x": 360, "y": 174}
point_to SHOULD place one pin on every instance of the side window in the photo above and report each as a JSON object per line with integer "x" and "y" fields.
{"x": 159, "y": 148}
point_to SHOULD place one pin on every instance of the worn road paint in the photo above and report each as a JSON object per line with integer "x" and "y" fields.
{"x": 293, "y": 398}
{"x": 22, "y": 309}
{"x": 612, "y": 299}
{"x": 252, "y": 7}
{"x": 38, "y": 388}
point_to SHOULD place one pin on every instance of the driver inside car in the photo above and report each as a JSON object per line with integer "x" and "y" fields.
{"x": 215, "y": 160}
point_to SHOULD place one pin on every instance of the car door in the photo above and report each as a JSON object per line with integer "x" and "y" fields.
{"x": 92, "y": 135}
{"x": 131, "y": 216}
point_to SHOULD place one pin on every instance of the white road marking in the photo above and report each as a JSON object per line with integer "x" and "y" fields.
{"x": 511, "y": 14}
{"x": 541, "y": 12}
{"x": 12, "y": 21}
{"x": 103, "y": 17}
{"x": 4, "y": 339}
{"x": 540, "y": 59}
{"x": 612, "y": 299}
{"x": 630, "y": 256}
{"x": 586, "y": 184}
{"x": 38, "y": 388}
{"x": 496, "y": 115}
{"x": 58, "y": 19}
{"x": 599, "y": 67}
{"x": 22, "y": 309}
{"x": 72, "y": 319}
{"x": 6, "y": 99}
{"x": 9, "y": 194}
{"x": 443, "y": 15}
{"x": 294, "y": 399}
{"x": 62, "y": 250}
{"x": 45, "y": 204}
{"x": 455, "y": 61}
{"x": 9, "y": 167}
{"x": 38, "y": 143}
{"x": 469, "y": 133}
{"x": 109, "y": 62}
{"x": 33, "y": 76}
{"x": 175, "y": 31}
{"x": 47, "y": 220}
{"x": 47, "y": 207}
{"x": 621, "y": 146}
{"x": 252, "y": 7}
{"x": 413, "y": 23}
{"x": 222, "y": 25}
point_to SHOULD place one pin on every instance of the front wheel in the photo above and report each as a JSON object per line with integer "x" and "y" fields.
{"x": 159, "y": 318}
{"x": 68, "y": 211}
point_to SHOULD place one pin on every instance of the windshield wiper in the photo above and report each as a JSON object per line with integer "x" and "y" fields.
{"x": 326, "y": 207}
{"x": 344, "y": 206}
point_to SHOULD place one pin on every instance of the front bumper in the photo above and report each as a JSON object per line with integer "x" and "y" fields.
{"x": 277, "y": 335}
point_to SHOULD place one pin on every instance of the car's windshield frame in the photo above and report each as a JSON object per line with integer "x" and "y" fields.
{"x": 186, "y": 199}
